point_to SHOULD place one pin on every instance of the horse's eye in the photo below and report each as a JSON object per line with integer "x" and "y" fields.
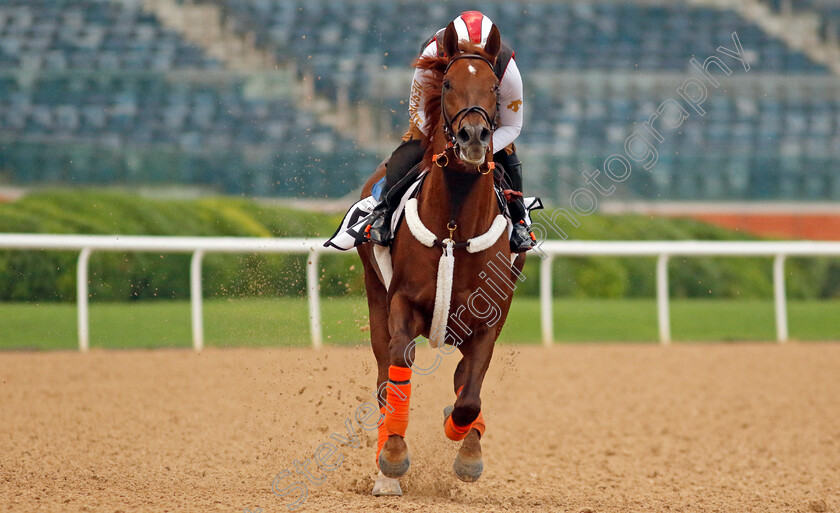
{"x": 446, "y": 84}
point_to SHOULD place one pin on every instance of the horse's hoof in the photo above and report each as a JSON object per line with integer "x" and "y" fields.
{"x": 385, "y": 486}
{"x": 468, "y": 464}
{"x": 398, "y": 464}
{"x": 447, "y": 411}
{"x": 467, "y": 470}
{"x": 393, "y": 469}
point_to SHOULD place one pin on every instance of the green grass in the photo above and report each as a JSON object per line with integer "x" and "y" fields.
{"x": 284, "y": 322}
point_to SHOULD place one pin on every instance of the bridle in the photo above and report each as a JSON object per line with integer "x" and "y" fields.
{"x": 462, "y": 114}
{"x": 442, "y": 159}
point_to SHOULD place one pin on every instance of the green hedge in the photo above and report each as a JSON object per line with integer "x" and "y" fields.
{"x": 689, "y": 277}
{"x": 50, "y": 275}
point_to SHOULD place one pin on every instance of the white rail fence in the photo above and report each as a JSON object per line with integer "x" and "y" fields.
{"x": 199, "y": 246}
{"x": 663, "y": 251}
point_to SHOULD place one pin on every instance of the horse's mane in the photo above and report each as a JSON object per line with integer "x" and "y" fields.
{"x": 432, "y": 90}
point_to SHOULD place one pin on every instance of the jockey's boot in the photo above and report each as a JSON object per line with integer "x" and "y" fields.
{"x": 521, "y": 239}
{"x": 379, "y": 229}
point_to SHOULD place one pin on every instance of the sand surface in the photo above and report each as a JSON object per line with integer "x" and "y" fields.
{"x": 717, "y": 428}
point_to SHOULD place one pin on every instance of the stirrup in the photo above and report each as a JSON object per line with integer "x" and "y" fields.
{"x": 522, "y": 238}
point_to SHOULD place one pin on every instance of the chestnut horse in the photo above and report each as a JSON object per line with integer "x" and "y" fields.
{"x": 456, "y": 203}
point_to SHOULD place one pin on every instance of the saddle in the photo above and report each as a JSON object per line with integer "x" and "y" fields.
{"x": 351, "y": 231}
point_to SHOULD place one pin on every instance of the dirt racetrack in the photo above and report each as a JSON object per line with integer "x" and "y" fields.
{"x": 728, "y": 428}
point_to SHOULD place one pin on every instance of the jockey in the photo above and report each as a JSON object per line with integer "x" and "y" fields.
{"x": 470, "y": 26}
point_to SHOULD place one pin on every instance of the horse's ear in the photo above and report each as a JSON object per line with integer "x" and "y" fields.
{"x": 450, "y": 40}
{"x": 494, "y": 42}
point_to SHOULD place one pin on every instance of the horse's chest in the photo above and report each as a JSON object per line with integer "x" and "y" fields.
{"x": 481, "y": 289}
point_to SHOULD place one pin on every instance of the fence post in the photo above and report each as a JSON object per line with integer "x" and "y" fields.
{"x": 196, "y": 300}
{"x": 662, "y": 300}
{"x": 82, "y": 300}
{"x": 546, "y": 306}
{"x": 314, "y": 299}
{"x": 780, "y": 299}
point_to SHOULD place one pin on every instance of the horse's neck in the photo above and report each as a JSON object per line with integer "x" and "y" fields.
{"x": 478, "y": 205}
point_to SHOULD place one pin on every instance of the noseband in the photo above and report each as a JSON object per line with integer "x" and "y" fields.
{"x": 461, "y": 114}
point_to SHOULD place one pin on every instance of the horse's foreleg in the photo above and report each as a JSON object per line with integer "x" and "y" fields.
{"x": 380, "y": 339}
{"x": 469, "y": 376}
{"x": 464, "y": 421}
{"x": 404, "y": 323}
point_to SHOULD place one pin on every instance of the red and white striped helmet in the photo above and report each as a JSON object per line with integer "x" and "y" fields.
{"x": 473, "y": 26}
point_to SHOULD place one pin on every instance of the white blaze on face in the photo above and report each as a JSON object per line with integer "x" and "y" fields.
{"x": 471, "y": 69}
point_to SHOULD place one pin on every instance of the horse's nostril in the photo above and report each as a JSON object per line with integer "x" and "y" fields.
{"x": 463, "y": 135}
{"x": 485, "y": 135}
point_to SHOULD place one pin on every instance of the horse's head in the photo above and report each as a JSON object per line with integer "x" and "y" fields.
{"x": 469, "y": 99}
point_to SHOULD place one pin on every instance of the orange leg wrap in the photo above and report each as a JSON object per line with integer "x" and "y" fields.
{"x": 456, "y": 432}
{"x": 383, "y": 435}
{"x": 478, "y": 424}
{"x": 399, "y": 396}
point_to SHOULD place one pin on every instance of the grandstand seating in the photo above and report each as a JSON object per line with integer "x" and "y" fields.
{"x": 90, "y": 34}
{"x": 764, "y": 148}
{"x": 341, "y": 42}
{"x": 747, "y": 145}
{"x": 744, "y": 147}
{"x": 115, "y": 98}
{"x": 144, "y": 109}
{"x": 827, "y": 11}
{"x": 99, "y": 126}
{"x": 118, "y": 98}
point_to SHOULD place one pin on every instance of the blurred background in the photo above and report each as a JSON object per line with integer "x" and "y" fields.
{"x": 264, "y": 117}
